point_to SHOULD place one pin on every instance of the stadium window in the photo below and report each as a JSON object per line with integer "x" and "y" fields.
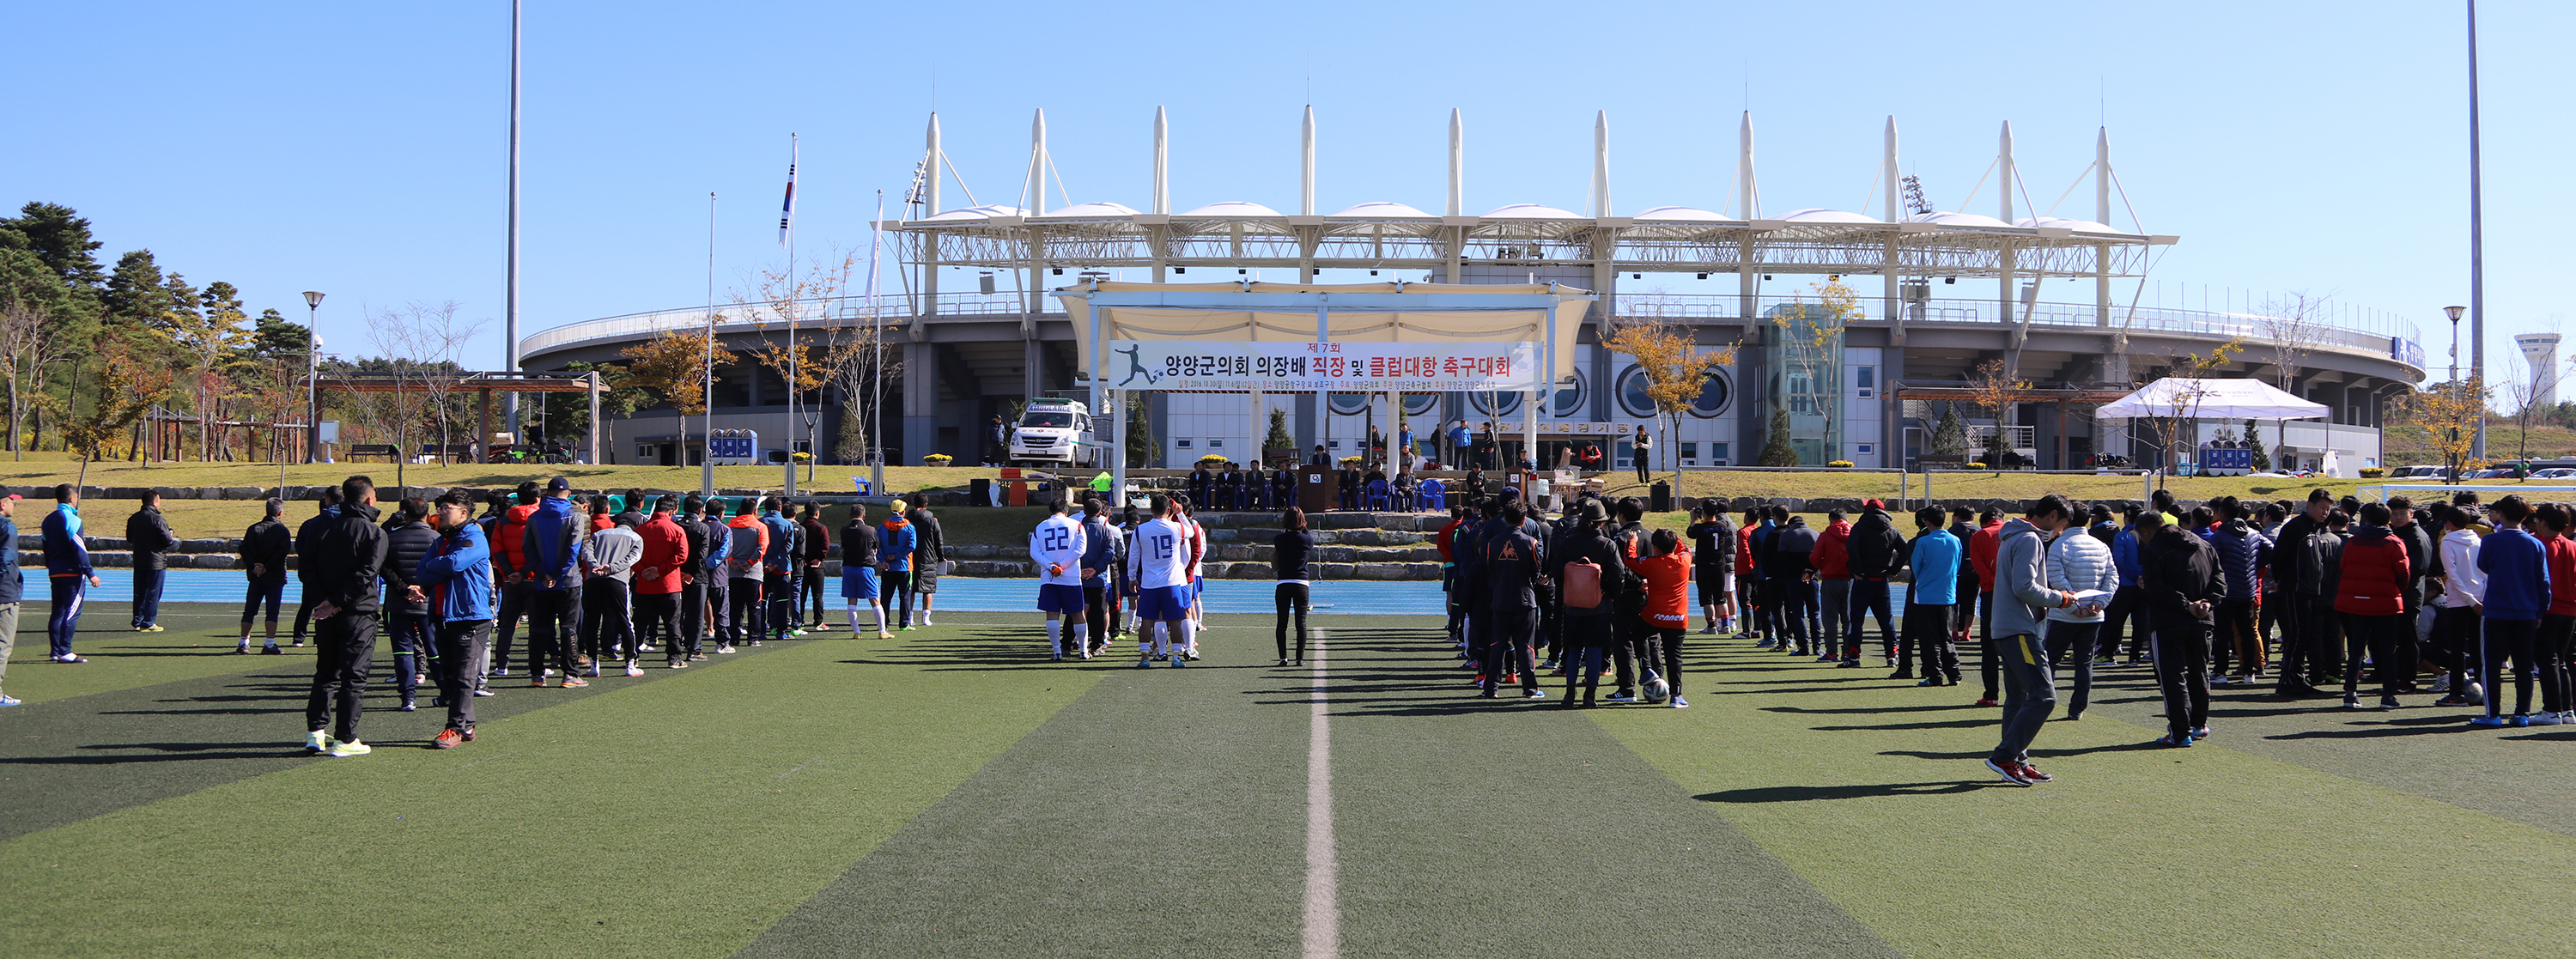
{"x": 1865, "y": 381}
{"x": 1184, "y": 444}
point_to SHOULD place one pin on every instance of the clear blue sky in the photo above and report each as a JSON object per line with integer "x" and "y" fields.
{"x": 358, "y": 149}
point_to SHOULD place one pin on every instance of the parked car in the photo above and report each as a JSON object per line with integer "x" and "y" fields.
{"x": 2556, "y": 472}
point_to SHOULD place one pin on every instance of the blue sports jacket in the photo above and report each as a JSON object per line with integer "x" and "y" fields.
{"x": 782, "y": 541}
{"x": 2124, "y": 554}
{"x": 13, "y": 584}
{"x": 2517, "y": 571}
{"x": 458, "y": 574}
{"x": 1936, "y": 563}
{"x": 552, "y": 544}
{"x": 65, "y": 553}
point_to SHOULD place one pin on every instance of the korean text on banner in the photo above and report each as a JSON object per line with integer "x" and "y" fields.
{"x": 1293, "y": 366}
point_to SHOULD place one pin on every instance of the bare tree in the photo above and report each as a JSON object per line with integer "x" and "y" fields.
{"x": 29, "y": 343}
{"x": 2291, "y": 323}
{"x": 426, "y": 340}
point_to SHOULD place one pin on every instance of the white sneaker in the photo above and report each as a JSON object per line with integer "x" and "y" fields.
{"x": 2441, "y": 684}
{"x": 925, "y": 620}
{"x": 2548, "y": 719}
{"x": 317, "y": 741}
{"x": 724, "y": 647}
{"x": 350, "y": 748}
{"x": 1679, "y": 703}
{"x": 632, "y": 669}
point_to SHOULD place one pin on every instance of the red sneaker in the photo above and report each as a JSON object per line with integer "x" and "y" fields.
{"x": 1988, "y": 702}
{"x": 447, "y": 739}
{"x": 2033, "y": 774}
{"x": 2011, "y": 771}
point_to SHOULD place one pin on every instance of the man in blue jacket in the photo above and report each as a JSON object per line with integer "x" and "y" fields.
{"x": 1935, "y": 556}
{"x": 551, "y": 547}
{"x": 706, "y": 615}
{"x": 2517, "y": 571}
{"x": 13, "y": 585}
{"x": 2129, "y": 603}
{"x": 67, "y": 566}
{"x": 780, "y": 565}
{"x": 455, "y": 579}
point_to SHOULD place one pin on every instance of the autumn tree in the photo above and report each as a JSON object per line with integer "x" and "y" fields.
{"x": 2450, "y": 413}
{"x": 1996, "y": 390}
{"x": 1811, "y": 340}
{"x": 128, "y": 385}
{"x": 674, "y": 367}
{"x": 1676, "y": 371}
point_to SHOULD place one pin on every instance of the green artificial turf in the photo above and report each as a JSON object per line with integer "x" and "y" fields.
{"x": 1874, "y": 791}
{"x": 662, "y": 819}
{"x": 198, "y": 642}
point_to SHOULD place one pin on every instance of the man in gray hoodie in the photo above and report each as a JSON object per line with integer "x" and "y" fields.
{"x": 2021, "y": 597}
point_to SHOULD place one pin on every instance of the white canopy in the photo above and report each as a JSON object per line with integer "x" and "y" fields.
{"x": 2212, "y": 399}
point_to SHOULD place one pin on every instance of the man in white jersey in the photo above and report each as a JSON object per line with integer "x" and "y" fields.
{"x": 1182, "y": 512}
{"x": 1057, "y": 546}
{"x": 1160, "y": 566}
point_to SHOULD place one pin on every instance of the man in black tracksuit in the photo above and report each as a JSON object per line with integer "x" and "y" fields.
{"x": 2421, "y": 556}
{"x": 2180, "y": 575}
{"x": 345, "y": 558}
{"x": 694, "y": 579}
{"x": 2308, "y": 560}
{"x": 1588, "y": 628}
{"x": 407, "y": 620}
{"x": 1511, "y": 568}
{"x": 1790, "y": 566}
{"x": 304, "y": 537}
{"x": 149, "y": 536}
{"x": 1873, "y": 553}
{"x": 1634, "y": 648}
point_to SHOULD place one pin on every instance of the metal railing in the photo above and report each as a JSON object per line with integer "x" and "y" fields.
{"x": 2361, "y": 334}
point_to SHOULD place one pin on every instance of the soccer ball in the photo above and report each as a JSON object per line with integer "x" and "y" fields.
{"x": 1657, "y": 690}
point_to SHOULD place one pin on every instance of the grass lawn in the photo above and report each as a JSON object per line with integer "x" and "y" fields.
{"x": 951, "y": 792}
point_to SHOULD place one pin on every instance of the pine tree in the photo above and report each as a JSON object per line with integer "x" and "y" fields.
{"x": 1279, "y": 439}
{"x": 2254, "y": 441}
{"x": 1776, "y": 450}
{"x": 1949, "y": 436}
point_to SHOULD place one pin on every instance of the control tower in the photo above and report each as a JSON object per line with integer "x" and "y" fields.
{"x": 2541, "y": 351}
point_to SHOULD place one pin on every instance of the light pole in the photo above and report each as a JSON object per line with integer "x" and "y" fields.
{"x": 312, "y": 394}
{"x": 2453, "y": 462}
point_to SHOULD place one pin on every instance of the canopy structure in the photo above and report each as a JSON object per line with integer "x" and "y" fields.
{"x": 1545, "y": 314}
{"x": 2212, "y": 399}
{"x": 1408, "y": 323}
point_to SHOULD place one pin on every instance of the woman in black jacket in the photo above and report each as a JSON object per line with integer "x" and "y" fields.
{"x": 1289, "y": 555}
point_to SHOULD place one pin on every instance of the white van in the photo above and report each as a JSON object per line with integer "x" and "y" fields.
{"x": 1053, "y": 431}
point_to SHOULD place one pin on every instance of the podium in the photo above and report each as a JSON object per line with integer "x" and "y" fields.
{"x": 1316, "y": 486}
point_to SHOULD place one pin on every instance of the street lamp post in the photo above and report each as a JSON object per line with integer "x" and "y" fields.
{"x": 2455, "y": 311}
{"x": 312, "y": 394}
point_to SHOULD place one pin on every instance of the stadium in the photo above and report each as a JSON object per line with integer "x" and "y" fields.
{"x": 977, "y": 327}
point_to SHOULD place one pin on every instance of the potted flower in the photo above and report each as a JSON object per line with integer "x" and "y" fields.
{"x": 1840, "y": 464}
{"x": 2372, "y": 472}
{"x": 937, "y": 459}
{"x": 1974, "y": 466}
{"x": 1213, "y": 459}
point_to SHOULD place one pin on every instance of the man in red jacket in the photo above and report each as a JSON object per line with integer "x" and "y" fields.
{"x": 1981, "y": 557}
{"x": 1748, "y": 581}
{"x": 1832, "y": 557}
{"x": 2558, "y": 623}
{"x": 508, "y": 532}
{"x": 657, "y": 585}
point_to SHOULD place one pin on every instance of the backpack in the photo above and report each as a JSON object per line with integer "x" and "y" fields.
{"x": 1583, "y": 585}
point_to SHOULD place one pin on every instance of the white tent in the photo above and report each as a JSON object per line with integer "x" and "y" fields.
{"x": 2212, "y": 399}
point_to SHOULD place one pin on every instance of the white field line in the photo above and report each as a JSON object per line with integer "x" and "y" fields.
{"x": 1323, "y": 906}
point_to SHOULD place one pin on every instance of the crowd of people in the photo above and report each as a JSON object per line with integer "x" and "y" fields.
{"x": 2308, "y": 597}
{"x": 594, "y": 581}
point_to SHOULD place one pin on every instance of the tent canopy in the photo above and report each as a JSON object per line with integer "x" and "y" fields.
{"x": 1358, "y": 313}
{"x": 2212, "y": 399}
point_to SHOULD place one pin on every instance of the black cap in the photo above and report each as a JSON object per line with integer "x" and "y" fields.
{"x": 558, "y": 484}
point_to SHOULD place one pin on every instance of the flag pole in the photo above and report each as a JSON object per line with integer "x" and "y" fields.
{"x": 876, "y": 357}
{"x": 787, "y": 235}
{"x": 706, "y": 399}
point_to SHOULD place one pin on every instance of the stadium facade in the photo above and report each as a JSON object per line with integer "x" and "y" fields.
{"x": 1940, "y": 296}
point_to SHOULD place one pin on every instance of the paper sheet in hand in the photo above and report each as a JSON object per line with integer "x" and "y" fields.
{"x": 2085, "y": 594}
